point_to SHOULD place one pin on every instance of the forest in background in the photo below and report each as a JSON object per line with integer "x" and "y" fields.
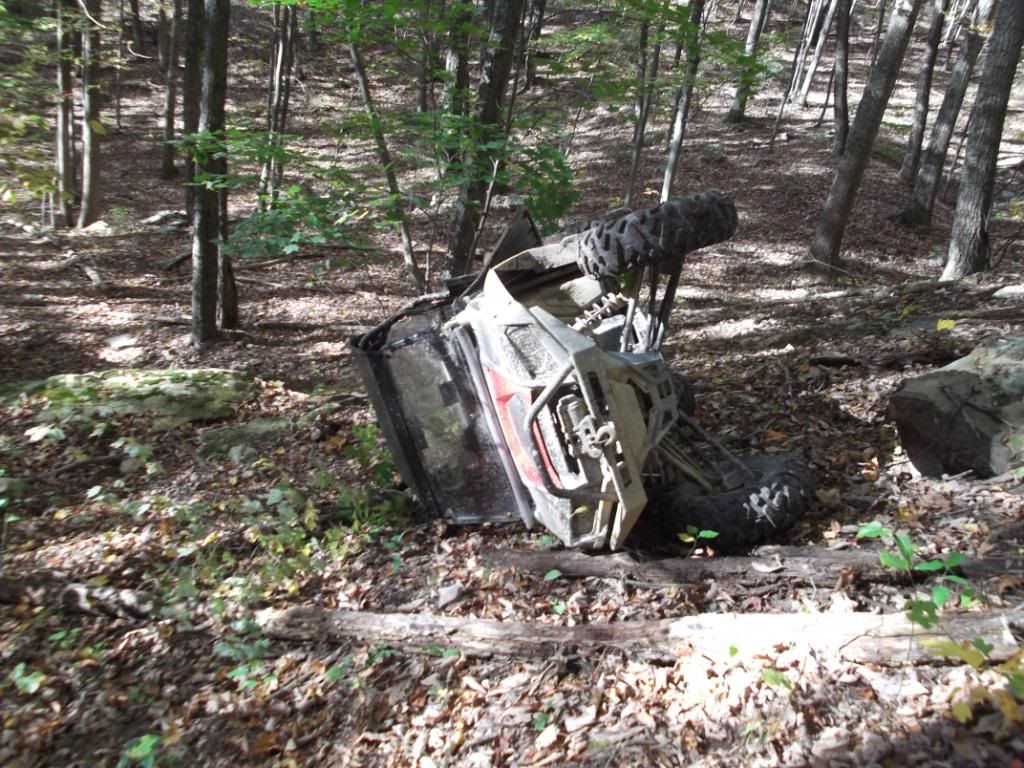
{"x": 202, "y": 202}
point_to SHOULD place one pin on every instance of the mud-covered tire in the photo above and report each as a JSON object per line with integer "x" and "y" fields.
{"x": 661, "y": 234}
{"x": 756, "y": 508}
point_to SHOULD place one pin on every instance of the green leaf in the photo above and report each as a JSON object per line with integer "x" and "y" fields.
{"x": 945, "y": 324}
{"x": 874, "y": 530}
{"x": 334, "y": 674}
{"x": 1016, "y": 685}
{"x": 98, "y": 127}
{"x": 983, "y": 646}
{"x": 892, "y": 560}
{"x": 931, "y": 565}
{"x": 923, "y": 613}
{"x": 733, "y": 650}
{"x": 951, "y": 649}
{"x": 558, "y": 607}
{"x": 777, "y": 677}
{"x": 707, "y": 534}
{"x": 906, "y": 547}
{"x": 940, "y": 595}
{"x": 26, "y": 683}
{"x": 541, "y": 720}
{"x": 144, "y": 746}
{"x": 553, "y": 574}
{"x": 954, "y": 559}
{"x": 968, "y": 600}
{"x": 962, "y": 711}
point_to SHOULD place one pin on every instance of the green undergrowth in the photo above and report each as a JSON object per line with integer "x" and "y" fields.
{"x": 998, "y": 682}
{"x": 215, "y": 517}
{"x": 138, "y": 480}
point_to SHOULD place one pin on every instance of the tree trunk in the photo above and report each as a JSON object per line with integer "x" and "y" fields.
{"x": 428, "y": 58}
{"x": 828, "y": 236}
{"x": 646, "y": 85}
{"x": 163, "y": 36}
{"x": 534, "y": 25}
{"x": 878, "y": 32}
{"x": 456, "y": 60}
{"x": 969, "y": 248}
{"x": 311, "y": 34}
{"x": 641, "y": 72}
{"x": 819, "y": 48}
{"x": 758, "y": 18}
{"x": 282, "y": 60}
{"x": 840, "y": 110}
{"x": 206, "y": 227}
{"x": 119, "y": 63}
{"x": 798, "y": 52}
{"x": 495, "y": 70}
{"x": 808, "y": 38}
{"x": 693, "y": 52}
{"x": 190, "y": 91}
{"x": 922, "y": 200}
{"x": 912, "y": 157}
{"x": 90, "y": 115}
{"x": 384, "y": 156}
{"x": 137, "y": 31}
{"x": 64, "y": 166}
{"x": 167, "y": 168}
{"x": 965, "y": 416}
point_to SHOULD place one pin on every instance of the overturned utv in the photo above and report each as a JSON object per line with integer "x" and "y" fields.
{"x": 537, "y": 389}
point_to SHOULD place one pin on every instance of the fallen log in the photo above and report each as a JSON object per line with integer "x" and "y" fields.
{"x": 98, "y": 283}
{"x": 52, "y": 592}
{"x": 889, "y": 639}
{"x": 803, "y": 565}
{"x": 967, "y": 416}
{"x": 174, "y": 261}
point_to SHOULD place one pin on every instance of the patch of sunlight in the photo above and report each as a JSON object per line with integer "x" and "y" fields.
{"x": 327, "y": 349}
{"x": 121, "y": 355}
{"x": 778, "y": 294}
{"x": 732, "y": 329}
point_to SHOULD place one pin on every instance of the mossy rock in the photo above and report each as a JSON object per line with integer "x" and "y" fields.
{"x": 238, "y": 440}
{"x": 171, "y": 397}
{"x": 238, "y": 437}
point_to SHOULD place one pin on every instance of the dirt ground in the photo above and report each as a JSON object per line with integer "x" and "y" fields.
{"x": 778, "y": 368}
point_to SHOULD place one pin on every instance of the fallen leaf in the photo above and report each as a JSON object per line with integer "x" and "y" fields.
{"x": 587, "y": 716}
{"x": 547, "y": 737}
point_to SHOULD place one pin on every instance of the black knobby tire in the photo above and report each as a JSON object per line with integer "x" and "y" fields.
{"x": 577, "y": 226}
{"x": 661, "y": 234}
{"x": 766, "y": 502}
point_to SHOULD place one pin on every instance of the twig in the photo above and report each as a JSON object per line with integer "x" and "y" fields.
{"x": 85, "y": 12}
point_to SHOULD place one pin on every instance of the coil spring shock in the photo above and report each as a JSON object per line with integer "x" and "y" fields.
{"x": 608, "y": 305}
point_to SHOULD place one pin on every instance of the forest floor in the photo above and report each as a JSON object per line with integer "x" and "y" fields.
{"x": 300, "y": 510}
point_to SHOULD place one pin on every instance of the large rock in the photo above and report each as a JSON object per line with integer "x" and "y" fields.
{"x": 168, "y": 397}
{"x": 968, "y": 415}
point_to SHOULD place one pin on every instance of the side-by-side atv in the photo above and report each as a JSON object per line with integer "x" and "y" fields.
{"x": 537, "y": 390}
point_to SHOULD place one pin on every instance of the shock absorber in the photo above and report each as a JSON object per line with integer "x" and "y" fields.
{"x": 608, "y": 305}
